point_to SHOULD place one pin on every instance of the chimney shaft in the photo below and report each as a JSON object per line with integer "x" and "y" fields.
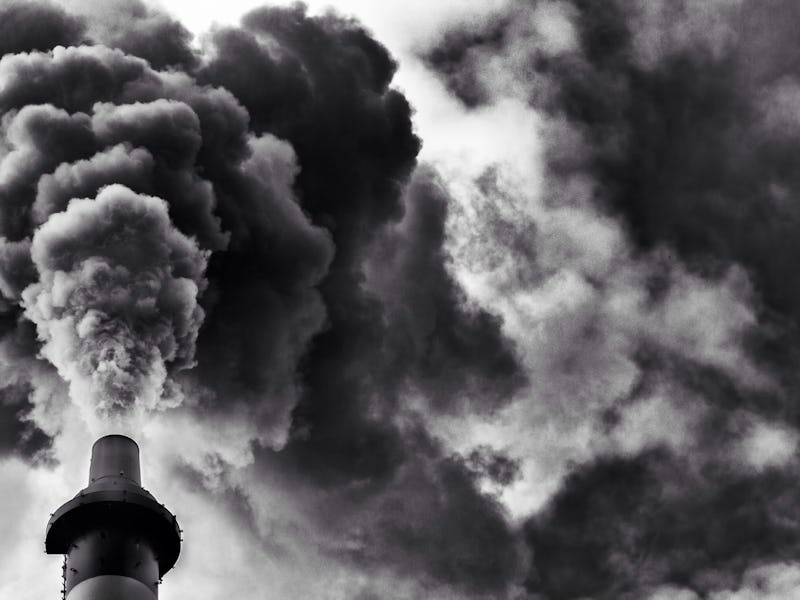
{"x": 118, "y": 540}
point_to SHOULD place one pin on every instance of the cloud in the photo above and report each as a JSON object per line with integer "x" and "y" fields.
{"x": 137, "y": 29}
{"x": 535, "y": 339}
{"x": 461, "y": 356}
{"x": 28, "y": 26}
{"x": 656, "y": 302}
{"x": 218, "y": 240}
{"x": 619, "y": 525}
{"x": 115, "y": 304}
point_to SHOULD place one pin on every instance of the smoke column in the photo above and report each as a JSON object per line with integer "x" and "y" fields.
{"x": 186, "y": 235}
{"x": 116, "y": 300}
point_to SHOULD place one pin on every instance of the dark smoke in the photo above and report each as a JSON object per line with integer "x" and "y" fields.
{"x": 116, "y": 298}
{"x": 26, "y": 26}
{"x": 631, "y": 524}
{"x": 460, "y": 357}
{"x": 202, "y": 232}
{"x": 240, "y": 233}
{"x": 679, "y": 119}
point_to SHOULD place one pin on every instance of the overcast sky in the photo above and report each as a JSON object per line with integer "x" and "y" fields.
{"x": 448, "y": 300}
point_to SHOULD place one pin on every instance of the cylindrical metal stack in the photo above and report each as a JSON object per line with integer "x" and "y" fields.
{"x": 118, "y": 540}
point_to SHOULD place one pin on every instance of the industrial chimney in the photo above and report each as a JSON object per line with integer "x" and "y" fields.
{"x": 118, "y": 541}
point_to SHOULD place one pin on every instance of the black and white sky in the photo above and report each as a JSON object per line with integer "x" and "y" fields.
{"x": 449, "y": 299}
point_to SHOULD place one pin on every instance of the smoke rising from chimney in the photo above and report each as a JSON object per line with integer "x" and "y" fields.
{"x": 245, "y": 208}
{"x": 116, "y": 302}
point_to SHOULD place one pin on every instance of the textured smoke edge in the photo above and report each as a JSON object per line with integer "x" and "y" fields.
{"x": 120, "y": 317}
{"x": 116, "y": 300}
{"x": 665, "y": 293}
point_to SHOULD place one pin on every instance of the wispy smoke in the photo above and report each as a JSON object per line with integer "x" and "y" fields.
{"x": 674, "y": 125}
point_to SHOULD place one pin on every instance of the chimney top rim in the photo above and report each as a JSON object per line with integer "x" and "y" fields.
{"x": 116, "y": 435}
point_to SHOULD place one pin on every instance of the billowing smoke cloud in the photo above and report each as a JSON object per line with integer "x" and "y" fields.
{"x": 30, "y": 26}
{"x": 235, "y": 243}
{"x": 113, "y": 282}
{"x": 116, "y": 299}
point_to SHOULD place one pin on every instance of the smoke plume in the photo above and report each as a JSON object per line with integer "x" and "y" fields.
{"x": 115, "y": 304}
{"x": 526, "y": 329}
{"x": 216, "y": 242}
